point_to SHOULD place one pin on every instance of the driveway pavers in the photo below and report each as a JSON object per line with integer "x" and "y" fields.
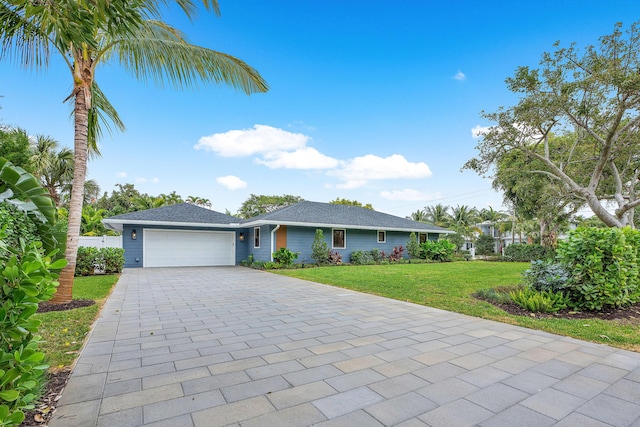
{"x": 232, "y": 346}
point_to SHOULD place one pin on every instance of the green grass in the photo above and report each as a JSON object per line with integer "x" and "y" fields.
{"x": 64, "y": 331}
{"x": 449, "y": 286}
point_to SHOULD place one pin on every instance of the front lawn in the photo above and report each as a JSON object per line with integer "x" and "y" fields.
{"x": 449, "y": 286}
{"x": 64, "y": 331}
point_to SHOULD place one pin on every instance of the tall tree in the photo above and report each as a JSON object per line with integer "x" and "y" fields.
{"x": 340, "y": 201}
{"x": 128, "y": 32}
{"x": 438, "y": 215}
{"x": 590, "y": 96}
{"x": 258, "y": 205}
{"x": 52, "y": 166}
{"x": 464, "y": 220}
{"x": 419, "y": 216}
{"x": 15, "y": 146}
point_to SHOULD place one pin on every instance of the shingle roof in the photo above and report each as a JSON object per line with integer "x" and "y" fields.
{"x": 183, "y": 213}
{"x": 334, "y": 215}
{"x": 310, "y": 214}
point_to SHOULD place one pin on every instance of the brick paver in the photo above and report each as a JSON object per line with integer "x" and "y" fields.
{"x": 232, "y": 346}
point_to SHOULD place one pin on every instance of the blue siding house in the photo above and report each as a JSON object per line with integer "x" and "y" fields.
{"x": 188, "y": 235}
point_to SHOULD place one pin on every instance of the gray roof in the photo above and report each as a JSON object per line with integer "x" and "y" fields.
{"x": 333, "y": 215}
{"x": 304, "y": 214}
{"x": 180, "y": 214}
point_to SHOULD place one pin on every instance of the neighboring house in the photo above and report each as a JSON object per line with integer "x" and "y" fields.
{"x": 188, "y": 235}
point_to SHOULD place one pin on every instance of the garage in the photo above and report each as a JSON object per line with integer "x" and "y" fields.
{"x": 186, "y": 248}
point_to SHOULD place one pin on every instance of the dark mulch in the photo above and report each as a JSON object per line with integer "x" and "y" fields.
{"x": 629, "y": 314}
{"x": 42, "y": 413}
{"x": 45, "y": 307}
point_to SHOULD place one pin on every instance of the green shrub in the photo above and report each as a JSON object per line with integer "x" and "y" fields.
{"x": 361, "y": 258}
{"x": 319, "y": 248}
{"x": 113, "y": 260}
{"x": 285, "y": 257}
{"x": 546, "y": 276}
{"x": 522, "y": 252}
{"x": 485, "y": 245}
{"x": 540, "y": 302}
{"x": 442, "y": 250}
{"x": 26, "y": 279}
{"x": 18, "y": 226}
{"x": 413, "y": 247}
{"x": 377, "y": 255}
{"x": 494, "y": 295}
{"x": 87, "y": 260}
{"x": 603, "y": 267}
{"x": 109, "y": 260}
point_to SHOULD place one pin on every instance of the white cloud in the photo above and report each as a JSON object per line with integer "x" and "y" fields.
{"x": 409, "y": 195}
{"x": 121, "y": 174}
{"x": 357, "y": 171}
{"x": 245, "y": 142}
{"x": 479, "y": 131}
{"x": 155, "y": 180}
{"x": 231, "y": 182}
{"x": 460, "y": 76}
{"x": 302, "y": 158}
{"x": 140, "y": 180}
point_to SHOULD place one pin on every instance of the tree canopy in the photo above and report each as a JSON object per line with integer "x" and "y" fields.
{"x": 578, "y": 118}
{"x": 260, "y": 204}
{"x": 340, "y": 201}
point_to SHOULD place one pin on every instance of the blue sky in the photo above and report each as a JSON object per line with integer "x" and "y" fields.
{"x": 374, "y": 101}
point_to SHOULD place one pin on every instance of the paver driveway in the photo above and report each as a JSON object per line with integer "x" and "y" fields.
{"x": 234, "y": 346}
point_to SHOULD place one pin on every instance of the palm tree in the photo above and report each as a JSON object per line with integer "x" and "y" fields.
{"x": 145, "y": 201}
{"x": 53, "y": 168}
{"x": 128, "y": 32}
{"x": 463, "y": 221}
{"x": 418, "y": 215}
{"x": 438, "y": 215}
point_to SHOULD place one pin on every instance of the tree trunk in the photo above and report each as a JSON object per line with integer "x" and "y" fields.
{"x": 81, "y": 126}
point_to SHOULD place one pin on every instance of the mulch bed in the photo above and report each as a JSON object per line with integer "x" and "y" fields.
{"x": 46, "y": 307}
{"x": 41, "y": 414}
{"x": 629, "y": 314}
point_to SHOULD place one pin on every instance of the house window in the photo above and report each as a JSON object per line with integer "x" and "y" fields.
{"x": 256, "y": 237}
{"x": 382, "y": 236}
{"x": 423, "y": 237}
{"x": 339, "y": 239}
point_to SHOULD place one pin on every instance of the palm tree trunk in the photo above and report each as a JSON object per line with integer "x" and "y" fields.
{"x": 81, "y": 126}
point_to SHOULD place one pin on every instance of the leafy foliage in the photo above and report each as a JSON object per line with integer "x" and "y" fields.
{"x": 109, "y": 260}
{"x": 339, "y": 201}
{"x": 396, "y": 255}
{"x": 442, "y": 250}
{"x": 540, "y": 301}
{"x": 361, "y": 258}
{"x": 485, "y": 245}
{"x": 334, "y": 258}
{"x": 285, "y": 257}
{"x": 18, "y": 226}
{"x": 413, "y": 247}
{"x": 260, "y": 204}
{"x": 522, "y": 252}
{"x": 587, "y": 98}
{"x": 546, "y": 276}
{"x": 319, "y": 248}
{"x": 603, "y": 267}
{"x": 26, "y": 279}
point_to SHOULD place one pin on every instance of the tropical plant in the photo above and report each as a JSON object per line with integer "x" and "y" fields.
{"x": 15, "y": 146}
{"x": 485, "y": 245}
{"x": 334, "y": 258}
{"x": 285, "y": 257}
{"x": 361, "y": 258}
{"x": 132, "y": 33}
{"x": 540, "y": 301}
{"x": 546, "y": 276}
{"x": 438, "y": 215}
{"x": 464, "y": 220}
{"x": 522, "y": 252}
{"x": 339, "y": 201}
{"x": 26, "y": 279}
{"x": 260, "y": 204}
{"x": 52, "y": 166}
{"x": 419, "y": 216}
{"x": 603, "y": 267}
{"x": 442, "y": 250}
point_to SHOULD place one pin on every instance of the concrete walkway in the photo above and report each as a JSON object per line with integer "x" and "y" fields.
{"x": 233, "y": 346}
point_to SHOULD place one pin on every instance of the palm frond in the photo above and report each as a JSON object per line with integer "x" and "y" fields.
{"x": 159, "y": 53}
{"x": 21, "y": 39}
{"x": 102, "y": 115}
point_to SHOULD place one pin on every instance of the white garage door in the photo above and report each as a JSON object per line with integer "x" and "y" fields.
{"x": 179, "y": 248}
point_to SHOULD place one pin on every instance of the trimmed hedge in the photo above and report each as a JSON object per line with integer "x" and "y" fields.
{"x": 603, "y": 267}
{"x": 522, "y": 252}
{"x": 90, "y": 259}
